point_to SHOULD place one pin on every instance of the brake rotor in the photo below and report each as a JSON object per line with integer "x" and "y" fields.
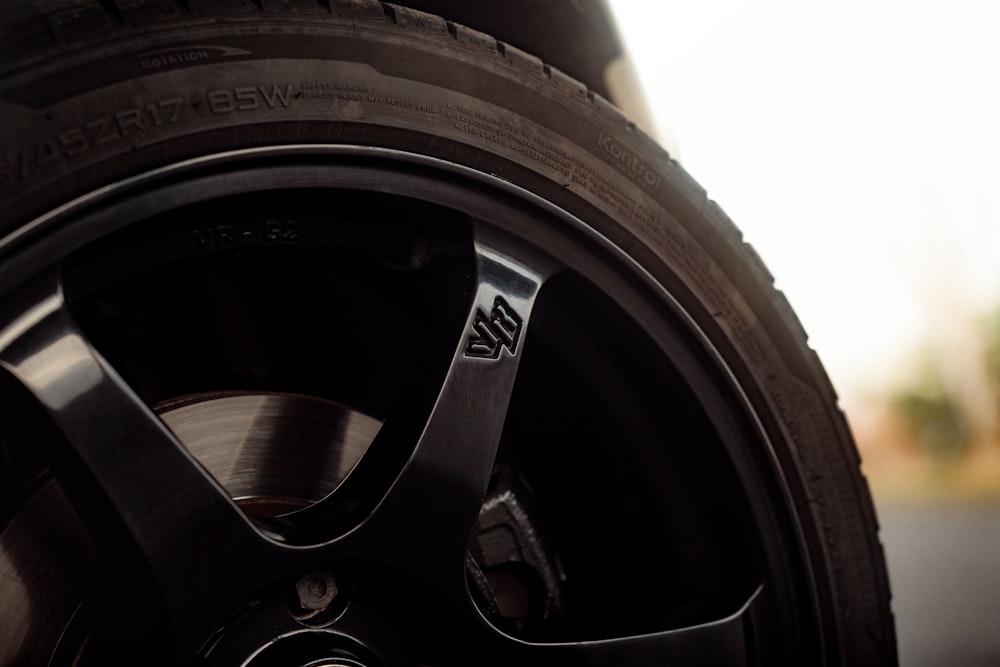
{"x": 272, "y": 452}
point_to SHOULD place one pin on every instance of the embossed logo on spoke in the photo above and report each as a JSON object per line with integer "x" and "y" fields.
{"x": 491, "y": 333}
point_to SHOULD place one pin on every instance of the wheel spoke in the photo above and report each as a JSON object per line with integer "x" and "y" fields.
{"x": 727, "y": 642}
{"x": 150, "y": 506}
{"x": 424, "y": 521}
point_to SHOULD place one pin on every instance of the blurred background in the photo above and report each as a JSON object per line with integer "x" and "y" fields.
{"x": 857, "y": 145}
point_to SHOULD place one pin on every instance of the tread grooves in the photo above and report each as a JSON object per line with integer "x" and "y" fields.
{"x": 390, "y": 12}
{"x": 111, "y": 9}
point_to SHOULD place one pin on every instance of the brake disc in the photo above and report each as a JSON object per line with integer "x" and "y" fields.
{"x": 273, "y": 453}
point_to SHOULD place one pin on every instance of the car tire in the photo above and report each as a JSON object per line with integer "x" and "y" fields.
{"x": 156, "y": 154}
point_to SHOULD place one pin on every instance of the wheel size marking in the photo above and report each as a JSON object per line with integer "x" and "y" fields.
{"x": 220, "y": 237}
{"x": 490, "y": 334}
{"x": 127, "y": 123}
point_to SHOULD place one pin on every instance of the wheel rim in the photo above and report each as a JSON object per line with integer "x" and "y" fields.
{"x": 511, "y": 325}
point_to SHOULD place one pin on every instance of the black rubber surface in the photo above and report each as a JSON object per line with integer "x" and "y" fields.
{"x": 94, "y": 92}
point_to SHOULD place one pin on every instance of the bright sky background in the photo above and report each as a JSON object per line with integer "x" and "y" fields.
{"x": 856, "y": 143}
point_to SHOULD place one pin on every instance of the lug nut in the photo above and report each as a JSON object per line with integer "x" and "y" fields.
{"x": 316, "y": 591}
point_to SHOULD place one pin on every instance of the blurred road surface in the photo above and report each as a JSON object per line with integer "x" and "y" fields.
{"x": 944, "y": 566}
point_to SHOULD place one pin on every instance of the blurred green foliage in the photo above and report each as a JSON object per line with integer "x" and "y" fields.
{"x": 934, "y": 414}
{"x": 991, "y": 331}
{"x": 937, "y": 422}
{"x": 936, "y": 406}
